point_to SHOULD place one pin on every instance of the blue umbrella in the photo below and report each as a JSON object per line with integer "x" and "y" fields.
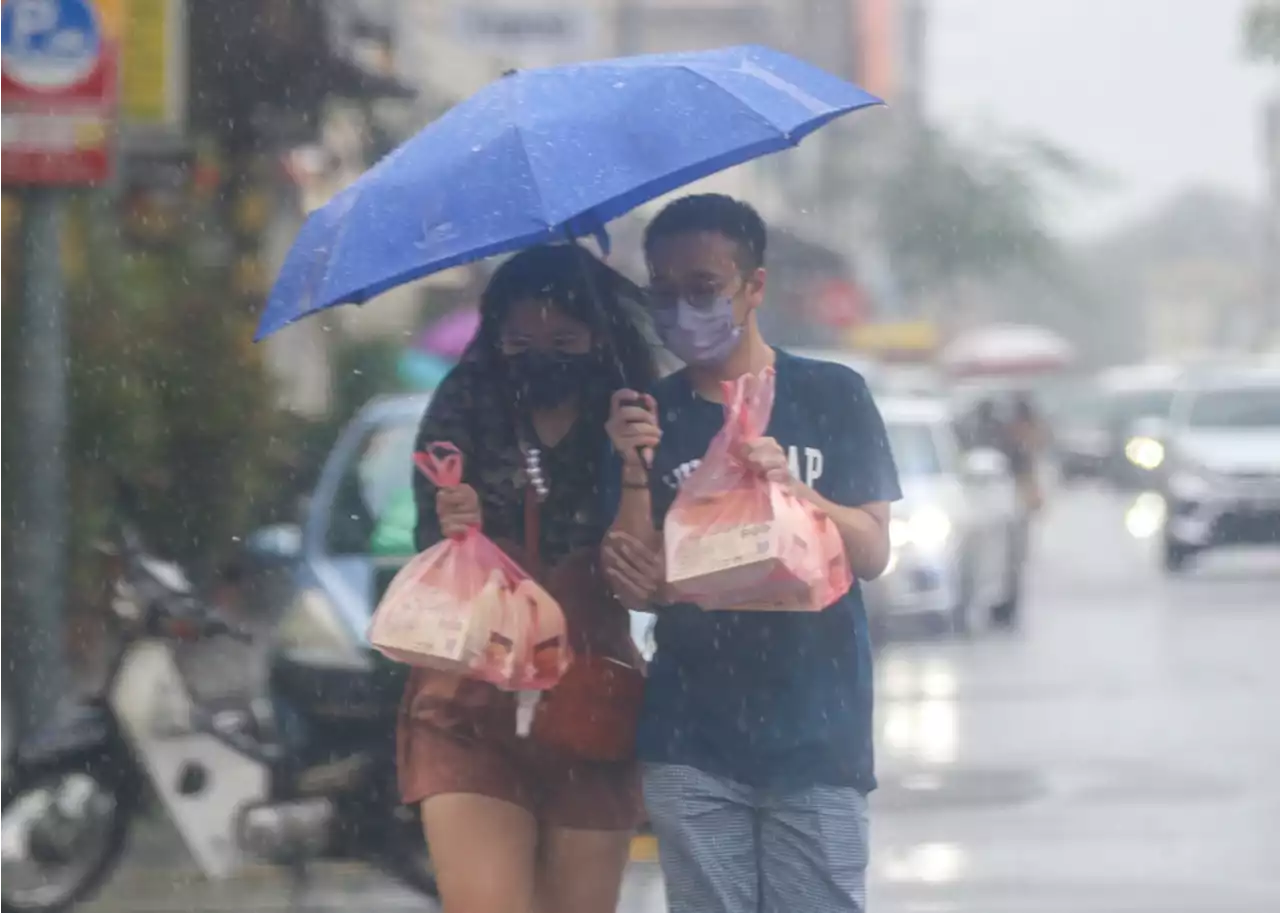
{"x": 544, "y": 154}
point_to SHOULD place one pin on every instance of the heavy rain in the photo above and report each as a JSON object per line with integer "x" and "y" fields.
{"x": 576, "y": 456}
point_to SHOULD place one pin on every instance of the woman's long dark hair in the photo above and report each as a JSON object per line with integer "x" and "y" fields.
{"x": 587, "y": 290}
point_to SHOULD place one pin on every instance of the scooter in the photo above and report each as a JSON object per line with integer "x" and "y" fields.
{"x": 284, "y": 779}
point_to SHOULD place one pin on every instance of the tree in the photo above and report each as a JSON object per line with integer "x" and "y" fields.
{"x": 166, "y": 387}
{"x": 949, "y": 211}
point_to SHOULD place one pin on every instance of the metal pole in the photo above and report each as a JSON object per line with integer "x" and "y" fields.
{"x": 43, "y": 534}
{"x": 1268, "y": 329}
{"x": 627, "y": 39}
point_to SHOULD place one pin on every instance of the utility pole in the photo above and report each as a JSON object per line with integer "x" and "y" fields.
{"x": 1269, "y": 318}
{"x": 627, "y": 18}
{"x": 42, "y": 546}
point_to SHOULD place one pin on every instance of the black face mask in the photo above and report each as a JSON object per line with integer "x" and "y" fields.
{"x": 547, "y": 379}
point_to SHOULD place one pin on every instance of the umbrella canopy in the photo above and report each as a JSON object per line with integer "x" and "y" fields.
{"x": 544, "y": 154}
{"x": 1007, "y": 348}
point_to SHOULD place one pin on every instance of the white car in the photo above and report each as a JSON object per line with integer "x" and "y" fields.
{"x": 1223, "y": 482}
{"x": 955, "y": 533}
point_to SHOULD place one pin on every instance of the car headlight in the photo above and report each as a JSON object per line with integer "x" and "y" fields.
{"x": 926, "y": 527}
{"x": 310, "y": 633}
{"x": 1144, "y": 452}
{"x": 929, "y": 527}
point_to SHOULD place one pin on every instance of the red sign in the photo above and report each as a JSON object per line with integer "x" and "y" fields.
{"x": 837, "y": 303}
{"x": 59, "y": 117}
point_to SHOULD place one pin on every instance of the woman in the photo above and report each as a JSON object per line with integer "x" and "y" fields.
{"x": 514, "y": 825}
{"x": 1026, "y": 435}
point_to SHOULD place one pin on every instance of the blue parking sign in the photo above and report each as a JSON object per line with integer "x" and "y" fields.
{"x": 49, "y": 45}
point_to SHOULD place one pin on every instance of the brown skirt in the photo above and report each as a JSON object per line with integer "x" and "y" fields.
{"x": 459, "y": 736}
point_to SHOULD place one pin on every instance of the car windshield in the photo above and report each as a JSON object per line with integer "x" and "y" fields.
{"x": 915, "y": 448}
{"x": 1239, "y": 407}
{"x": 373, "y": 512}
{"x": 384, "y": 465}
{"x": 1078, "y": 407}
{"x": 1136, "y": 404}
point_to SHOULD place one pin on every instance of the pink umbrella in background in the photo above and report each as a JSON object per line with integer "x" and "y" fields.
{"x": 450, "y": 335}
{"x": 1007, "y": 349}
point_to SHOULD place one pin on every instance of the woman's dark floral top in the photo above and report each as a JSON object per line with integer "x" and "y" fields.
{"x": 468, "y": 411}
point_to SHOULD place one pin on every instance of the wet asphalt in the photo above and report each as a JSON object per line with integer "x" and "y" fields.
{"x": 1118, "y": 753}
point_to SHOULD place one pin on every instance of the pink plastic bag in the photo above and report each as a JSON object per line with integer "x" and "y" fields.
{"x": 737, "y": 541}
{"x": 463, "y": 606}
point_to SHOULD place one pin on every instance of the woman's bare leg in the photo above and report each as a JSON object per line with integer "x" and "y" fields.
{"x": 485, "y": 853}
{"x": 581, "y": 871}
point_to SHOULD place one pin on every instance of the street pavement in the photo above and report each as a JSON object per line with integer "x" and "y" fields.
{"x": 1119, "y": 753}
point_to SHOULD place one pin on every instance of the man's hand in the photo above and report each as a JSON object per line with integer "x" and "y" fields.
{"x": 458, "y": 508}
{"x": 632, "y": 427}
{"x": 765, "y": 456}
{"x": 634, "y": 570}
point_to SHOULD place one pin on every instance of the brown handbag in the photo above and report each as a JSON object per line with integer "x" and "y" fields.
{"x": 593, "y": 711}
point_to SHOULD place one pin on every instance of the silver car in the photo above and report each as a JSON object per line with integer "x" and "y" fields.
{"x": 955, "y": 533}
{"x": 1223, "y": 483}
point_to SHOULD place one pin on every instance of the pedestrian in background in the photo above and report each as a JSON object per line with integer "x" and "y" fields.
{"x": 1026, "y": 441}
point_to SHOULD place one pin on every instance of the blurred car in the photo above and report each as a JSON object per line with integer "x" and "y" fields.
{"x": 1134, "y": 404}
{"x": 954, "y": 535}
{"x": 1223, "y": 483}
{"x": 1079, "y": 439}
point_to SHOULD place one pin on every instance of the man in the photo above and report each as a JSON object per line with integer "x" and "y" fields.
{"x": 756, "y": 730}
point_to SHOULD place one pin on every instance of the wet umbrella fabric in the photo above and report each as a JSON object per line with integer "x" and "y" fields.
{"x": 544, "y": 154}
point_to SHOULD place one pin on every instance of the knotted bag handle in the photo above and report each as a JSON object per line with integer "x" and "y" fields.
{"x": 441, "y": 462}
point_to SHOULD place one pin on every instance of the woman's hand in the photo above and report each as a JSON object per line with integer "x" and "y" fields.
{"x": 458, "y": 508}
{"x": 633, "y": 427}
{"x": 635, "y": 571}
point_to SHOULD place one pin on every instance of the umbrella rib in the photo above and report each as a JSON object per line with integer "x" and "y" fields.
{"x": 518, "y": 123}
{"x": 760, "y": 118}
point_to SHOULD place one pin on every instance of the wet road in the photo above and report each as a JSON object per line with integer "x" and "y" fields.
{"x": 1120, "y": 753}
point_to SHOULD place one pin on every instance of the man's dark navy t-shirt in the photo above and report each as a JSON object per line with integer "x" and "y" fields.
{"x": 771, "y": 699}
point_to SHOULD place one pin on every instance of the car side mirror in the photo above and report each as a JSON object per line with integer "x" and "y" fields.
{"x": 984, "y": 464}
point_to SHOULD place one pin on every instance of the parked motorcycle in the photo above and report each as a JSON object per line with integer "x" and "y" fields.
{"x": 288, "y": 779}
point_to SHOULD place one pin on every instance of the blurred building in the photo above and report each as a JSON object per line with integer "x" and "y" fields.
{"x": 1192, "y": 272}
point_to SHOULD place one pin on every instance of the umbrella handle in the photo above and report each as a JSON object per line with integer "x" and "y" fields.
{"x": 645, "y": 453}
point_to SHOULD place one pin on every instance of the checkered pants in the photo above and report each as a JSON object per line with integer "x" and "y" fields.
{"x": 730, "y": 848}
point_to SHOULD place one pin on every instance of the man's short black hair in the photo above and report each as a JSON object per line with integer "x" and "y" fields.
{"x": 737, "y": 221}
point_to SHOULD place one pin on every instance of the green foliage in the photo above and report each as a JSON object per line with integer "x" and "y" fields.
{"x": 362, "y": 370}
{"x": 951, "y": 211}
{"x": 166, "y": 391}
